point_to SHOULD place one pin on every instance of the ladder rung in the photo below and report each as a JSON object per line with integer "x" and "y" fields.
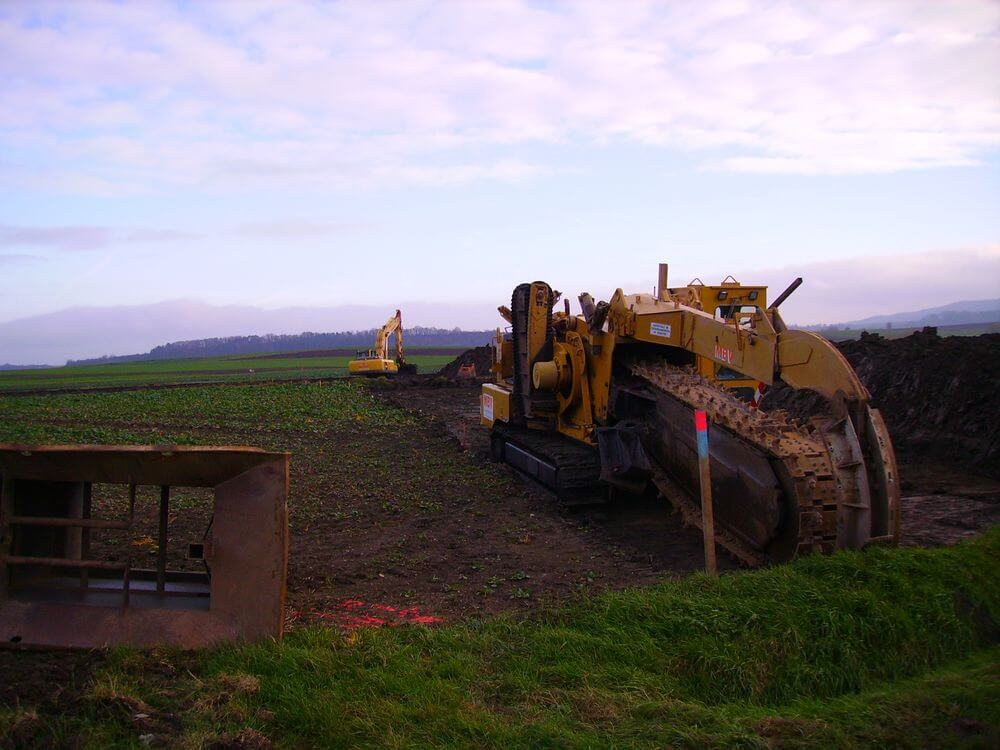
{"x": 82, "y": 523}
{"x": 62, "y": 562}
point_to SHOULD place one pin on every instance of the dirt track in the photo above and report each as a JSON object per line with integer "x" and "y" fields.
{"x": 941, "y": 504}
{"x": 489, "y": 543}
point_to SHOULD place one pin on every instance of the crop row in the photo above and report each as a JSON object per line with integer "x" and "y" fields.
{"x": 308, "y": 406}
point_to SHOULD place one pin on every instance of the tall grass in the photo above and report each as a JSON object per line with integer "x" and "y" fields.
{"x": 821, "y": 628}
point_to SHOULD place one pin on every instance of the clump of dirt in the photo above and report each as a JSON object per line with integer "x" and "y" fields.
{"x": 481, "y": 358}
{"x": 403, "y": 382}
{"x": 143, "y": 719}
{"x": 246, "y": 739}
{"x": 46, "y": 680}
{"x": 26, "y": 731}
{"x": 40, "y": 684}
{"x": 939, "y": 396}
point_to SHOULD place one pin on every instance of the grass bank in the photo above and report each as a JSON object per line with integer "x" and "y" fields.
{"x": 892, "y": 647}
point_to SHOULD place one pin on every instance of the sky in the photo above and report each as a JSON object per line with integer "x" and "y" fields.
{"x": 377, "y": 153}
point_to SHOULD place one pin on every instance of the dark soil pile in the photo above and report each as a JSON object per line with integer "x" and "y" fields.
{"x": 481, "y": 357}
{"x": 939, "y": 396}
{"x": 38, "y": 684}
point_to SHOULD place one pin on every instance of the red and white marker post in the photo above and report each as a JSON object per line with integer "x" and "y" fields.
{"x": 705, "y": 478}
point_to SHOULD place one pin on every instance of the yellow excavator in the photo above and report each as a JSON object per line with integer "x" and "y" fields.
{"x": 374, "y": 362}
{"x": 604, "y": 401}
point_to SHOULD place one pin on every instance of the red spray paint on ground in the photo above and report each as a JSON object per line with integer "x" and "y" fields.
{"x": 351, "y": 614}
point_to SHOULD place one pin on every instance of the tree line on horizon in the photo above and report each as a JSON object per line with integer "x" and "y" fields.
{"x": 277, "y": 342}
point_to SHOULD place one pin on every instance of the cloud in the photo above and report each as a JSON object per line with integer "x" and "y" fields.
{"x": 105, "y": 97}
{"x": 507, "y": 171}
{"x": 853, "y": 288}
{"x": 295, "y": 229}
{"x": 84, "y": 237}
{"x": 18, "y": 258}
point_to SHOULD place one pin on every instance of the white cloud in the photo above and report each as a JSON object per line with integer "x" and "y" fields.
{"x": 13, "y": 258}
{"x": 84, "y": 237}
{"x": 853, "y": 288}
{"x": 107, "y": 97}
{"x": 295, "y": 229}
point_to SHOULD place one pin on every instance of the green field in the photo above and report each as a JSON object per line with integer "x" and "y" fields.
{"x": 235, "y": 368}
{"x": 176, "y": 415}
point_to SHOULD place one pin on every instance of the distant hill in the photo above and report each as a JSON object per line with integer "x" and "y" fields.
{"x": 113, "y": 334}
{"x": 956, "y": 313}
{"x": 83, "y": 333}
{"x": 230, "y": 345}
{"x": 24, "y": 367}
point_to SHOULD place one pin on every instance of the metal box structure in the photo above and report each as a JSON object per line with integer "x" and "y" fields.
{"x": 53, "y": 592}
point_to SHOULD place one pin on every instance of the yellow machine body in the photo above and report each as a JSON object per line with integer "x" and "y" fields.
{"x": 560, "y": 373}
{"x": 731, "y": 302}
{"x": 373, "y": 365}
{"x": 494, "y": 404}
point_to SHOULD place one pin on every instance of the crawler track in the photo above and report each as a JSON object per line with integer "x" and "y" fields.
{"x": 572, "y": 470}
{"x": 801, "y": 461}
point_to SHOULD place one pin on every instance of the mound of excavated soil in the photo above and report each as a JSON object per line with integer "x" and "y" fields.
{"x": 939, "y": 396}
{"x": 481, "y": 357}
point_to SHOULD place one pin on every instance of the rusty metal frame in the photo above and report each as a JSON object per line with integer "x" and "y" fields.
{"x": 242, "y": 598}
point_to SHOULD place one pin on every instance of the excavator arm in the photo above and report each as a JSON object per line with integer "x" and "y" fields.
{"x": 400, "y": 359}
{"x": 393, "y": 325}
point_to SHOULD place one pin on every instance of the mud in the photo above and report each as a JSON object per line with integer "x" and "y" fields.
{"x": 941, "y": 503}
{"x": 939, "y": 396}
{"x": 47, "y": 680}
{"x": 38, "y": 683}
{"x": 481, "y": 358}
{"x": 486, "y": 544}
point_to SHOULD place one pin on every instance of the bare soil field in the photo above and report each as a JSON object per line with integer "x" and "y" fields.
{"x": 942, "y": 504}
{"x": 482, "y": 542}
